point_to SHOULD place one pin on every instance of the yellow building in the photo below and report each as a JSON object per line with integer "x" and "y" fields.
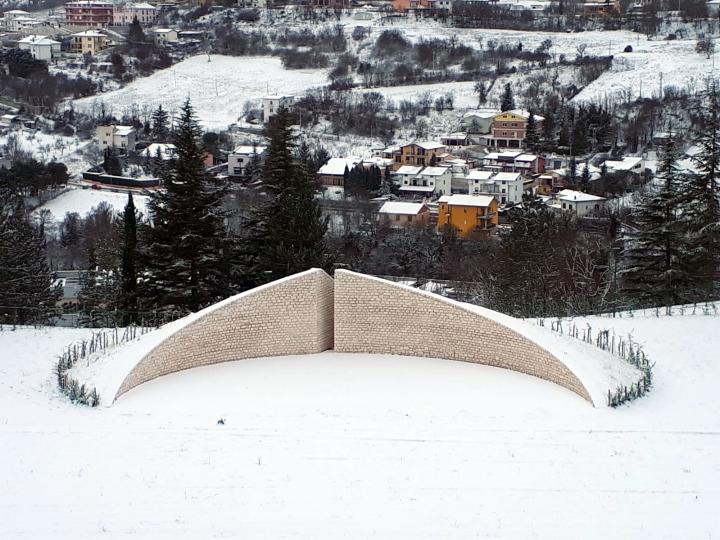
{"x": 468, "y": 214}
{"x": 89, "y": 42}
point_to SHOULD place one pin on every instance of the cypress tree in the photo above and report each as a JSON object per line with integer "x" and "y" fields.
{"x": 183, "y": 248}
{"x": 128, "y": 271}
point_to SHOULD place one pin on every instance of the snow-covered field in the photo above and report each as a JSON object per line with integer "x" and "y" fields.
{"x": 45, "y": 147}
{"x": 218, "y": 87}
{"x": 354, "y": 446}
{"x": 84, "y": 200}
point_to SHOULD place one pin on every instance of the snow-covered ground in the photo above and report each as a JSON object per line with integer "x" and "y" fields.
{"x": 354, "y": 446}
{"x": 46, "y": 147}
{"x": 83, "y": 200}
{"x": 218, "y": 87}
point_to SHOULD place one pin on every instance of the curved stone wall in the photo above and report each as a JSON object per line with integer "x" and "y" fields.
{"x": 293, "y": 315}
{"x": 378, "y": 316}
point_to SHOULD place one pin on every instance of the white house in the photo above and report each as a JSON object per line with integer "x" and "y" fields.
{"x": 478, "y": 121}
{"x": 165, "y": 35}
{"x": 581, "y": 204}
{"x": 476, "y": 180}
{"x": 162, "y": 150}
{"x": 40, "y": 47}
{"x": 506, "y": 187}
{"x": 439, "y": 177}
{"x": 405, "y": 174}
{"x": 241, "y": 157}
{"x": 14, "y": 20}
{"x": 118, "y": 137}
{"x": 271, "y": 105}
{"x": 634, "y": 165}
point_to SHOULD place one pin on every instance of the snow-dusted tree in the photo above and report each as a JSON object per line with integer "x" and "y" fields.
{"x": 27, "y": 293}
{"x": 701, "y": 206}
{"x": 532, "y": 137}
{"x": 287, "y": 234}
{"x": 160, "y": 125}
{"x": 654, "y": 256}
{"x": 508, "y": 101}
{"x": 183, "y": 249}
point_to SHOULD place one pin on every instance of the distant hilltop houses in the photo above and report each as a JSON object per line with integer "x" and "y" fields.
{"x": 467, "y": 180}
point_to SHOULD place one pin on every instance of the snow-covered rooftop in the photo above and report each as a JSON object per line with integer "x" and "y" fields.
{"x": 625, "y": 164}
{"x": 429, "y": 145}
{"x": 481, "y": 201}
{"x": 249, "y": 150}
{"x": 577, "y": 196}
{"x": 434, "y": 171}
{"x": 89, "y": 33}
{"x": 477, "y": 174}
{"x": 336, "y": 166}
{"x": 507, "y": 176}
{"x": 408, "y": 169}
{"x": 422, "y": 189}
{"x": 38, "y": 40}
{"x": 398, "y": 207}
{"x": 526, "y": 114}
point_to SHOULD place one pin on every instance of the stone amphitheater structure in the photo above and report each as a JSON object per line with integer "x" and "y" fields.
{"x": 311, "y": 312}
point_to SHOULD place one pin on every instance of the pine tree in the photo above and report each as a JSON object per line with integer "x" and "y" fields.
{"x": 572, "y": 171}
{"x": 701, "y": 200}
{"x": 128, "y": 270}
{"x": 585, "y": 177}
{"x": 183, "y": 250}
{"x": 287, "y": 234}
{"x": 508, "y": 101}
{"x": 160, "y": 121}
{"x": 136, "y": 35}
{"x": 532, "y": 137}
{"x": 654, "y": 257}
{"x": 27, "y": 292}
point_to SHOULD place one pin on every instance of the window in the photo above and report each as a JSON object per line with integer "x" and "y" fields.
{"x": 397, "y": 217}
{"x": 564, "y": 206}
{"x": 409, "y": 218}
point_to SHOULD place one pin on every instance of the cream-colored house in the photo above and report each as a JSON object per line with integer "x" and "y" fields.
{"x": 119, "y": 137}
{"x": 89, "y": 42}
{"x": 165, "y": 35}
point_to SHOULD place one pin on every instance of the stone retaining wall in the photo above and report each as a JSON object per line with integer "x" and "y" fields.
{"x": 289, "y": 316}
{"x": 378, "y": 316}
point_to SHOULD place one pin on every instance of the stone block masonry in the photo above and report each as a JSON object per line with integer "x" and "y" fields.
{"x": 311, "y": 312}
{"x": 290, "y": 316}
{"x": 377, "y": 316}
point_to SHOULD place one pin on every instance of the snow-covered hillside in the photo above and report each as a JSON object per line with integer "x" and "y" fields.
{"x": 218, "y": 86}
{"x": 354, "y": 446}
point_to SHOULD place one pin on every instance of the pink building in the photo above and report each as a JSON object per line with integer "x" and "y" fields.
{"x": 124, "y": 14}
